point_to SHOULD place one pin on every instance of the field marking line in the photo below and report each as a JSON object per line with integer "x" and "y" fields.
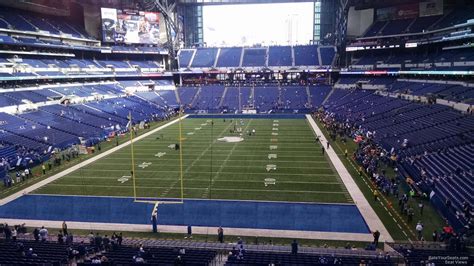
{"x": 82, "y": 164}
{"x": 207, "y": 172}
{"x": 308, "y": 154}
{"x": 230, "y": 160}
{"x": 230, "y": 166}
{"x": 196, "y": 160}
{"x": 206, "y": 193}
{"x": 370, "y": 217}
{"x": 199, "y": 188}
{"x": 200, "y": 199}
{"x": 200, "y": 179}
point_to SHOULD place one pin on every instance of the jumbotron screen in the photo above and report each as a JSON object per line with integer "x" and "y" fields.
{"x": 130, "y": 26}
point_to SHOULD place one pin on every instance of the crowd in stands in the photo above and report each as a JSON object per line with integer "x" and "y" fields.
{"x": 376, "y": 160}
{"x": 40, "y": 247}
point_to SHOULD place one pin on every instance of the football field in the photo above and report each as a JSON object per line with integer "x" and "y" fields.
{"x": 281, "y": 161}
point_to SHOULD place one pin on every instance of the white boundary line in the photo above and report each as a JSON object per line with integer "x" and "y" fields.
{"x": 82, "y": 164}
{"x": 198, "y": 230}
{"x": 370, "y": 217}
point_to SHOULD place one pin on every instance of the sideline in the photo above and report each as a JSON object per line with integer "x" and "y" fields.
{"x": 82, "y": 164}
{"x": 370, "y": 217}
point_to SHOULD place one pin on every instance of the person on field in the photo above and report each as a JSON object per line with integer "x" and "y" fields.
{"x": 64, "y": 228}
{"x": 220, "y": 235}
{"x": 294, "y": 247}
{"x": 376, "y": 236}
{"x": 419, "y": 229}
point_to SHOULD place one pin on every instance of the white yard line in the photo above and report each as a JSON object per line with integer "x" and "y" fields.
{"x": 80, "y": 165}
{"x": 218, "y": 160}
{"x": 370, "y": 217}
{"x": 207, "y": 179}
{"x": 201, "y": 188}
{"x": 234, "y": 166}
{"x": 205, "y": 172}
{"x": 197, "y": 230}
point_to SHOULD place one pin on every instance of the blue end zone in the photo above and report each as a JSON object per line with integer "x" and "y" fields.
{"x": 249, "y": 116}
{"x": 235, "y": 214}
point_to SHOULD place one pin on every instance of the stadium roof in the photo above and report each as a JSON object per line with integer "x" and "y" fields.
{"x": 225, "y": 2}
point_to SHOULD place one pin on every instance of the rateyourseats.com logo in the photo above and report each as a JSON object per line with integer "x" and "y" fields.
{"x": 449, "y": 260}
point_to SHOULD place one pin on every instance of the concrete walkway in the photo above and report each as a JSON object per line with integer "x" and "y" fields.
{"x": 200, "y": 230}
{"x": 82, "y": 164}
{"x": 370, "y": 217}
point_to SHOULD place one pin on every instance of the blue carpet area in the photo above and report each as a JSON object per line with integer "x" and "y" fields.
{"x": 237, "y": 214}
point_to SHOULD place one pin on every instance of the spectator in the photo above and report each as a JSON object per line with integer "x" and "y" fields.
{"x": 64, "y": 227}
{"x": 43, "y": 232}
{"x": 410, "y": 213}
{"x": 190, "y": 232}
{"x": 376, "y": 236}
{"x": 98, "y": 242}
{"x": 106, "y": 242}
{"x": 448, "y": 204}
{"x": 30, "y": 253}
{"x": 435, "y": 236}
{"x": 466, "y": 207}
{"x": 7, "y": 231}
{"x": 14, "y": 234}
{"x": 60, "y": 238}
{"x": 241, "y": 253}
{"x": 376, "y": 194}
{"x": 119, "y": 239}
{"x": 178, "y": 261}
{"x": 81, "y": 249}
{"x": 36, "y": 234}
{"x": 220, "y": 235}
{"x": 69, "y": 238}
{"x": 419, "y": 229}
{"x": 294, "y": 247}
{"x": 91, "y": 238}
{"x": 20, "y": 248}
{"x": 421, "y": 206}
{"x": 138, "y": 260}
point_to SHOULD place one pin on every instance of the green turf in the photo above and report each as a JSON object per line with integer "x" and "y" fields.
{"x": 213, "y": 169}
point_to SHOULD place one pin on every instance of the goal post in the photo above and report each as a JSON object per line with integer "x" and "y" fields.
{"x": 152, "y": 200}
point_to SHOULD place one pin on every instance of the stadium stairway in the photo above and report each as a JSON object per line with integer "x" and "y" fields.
{"x": 222, "y": 98}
